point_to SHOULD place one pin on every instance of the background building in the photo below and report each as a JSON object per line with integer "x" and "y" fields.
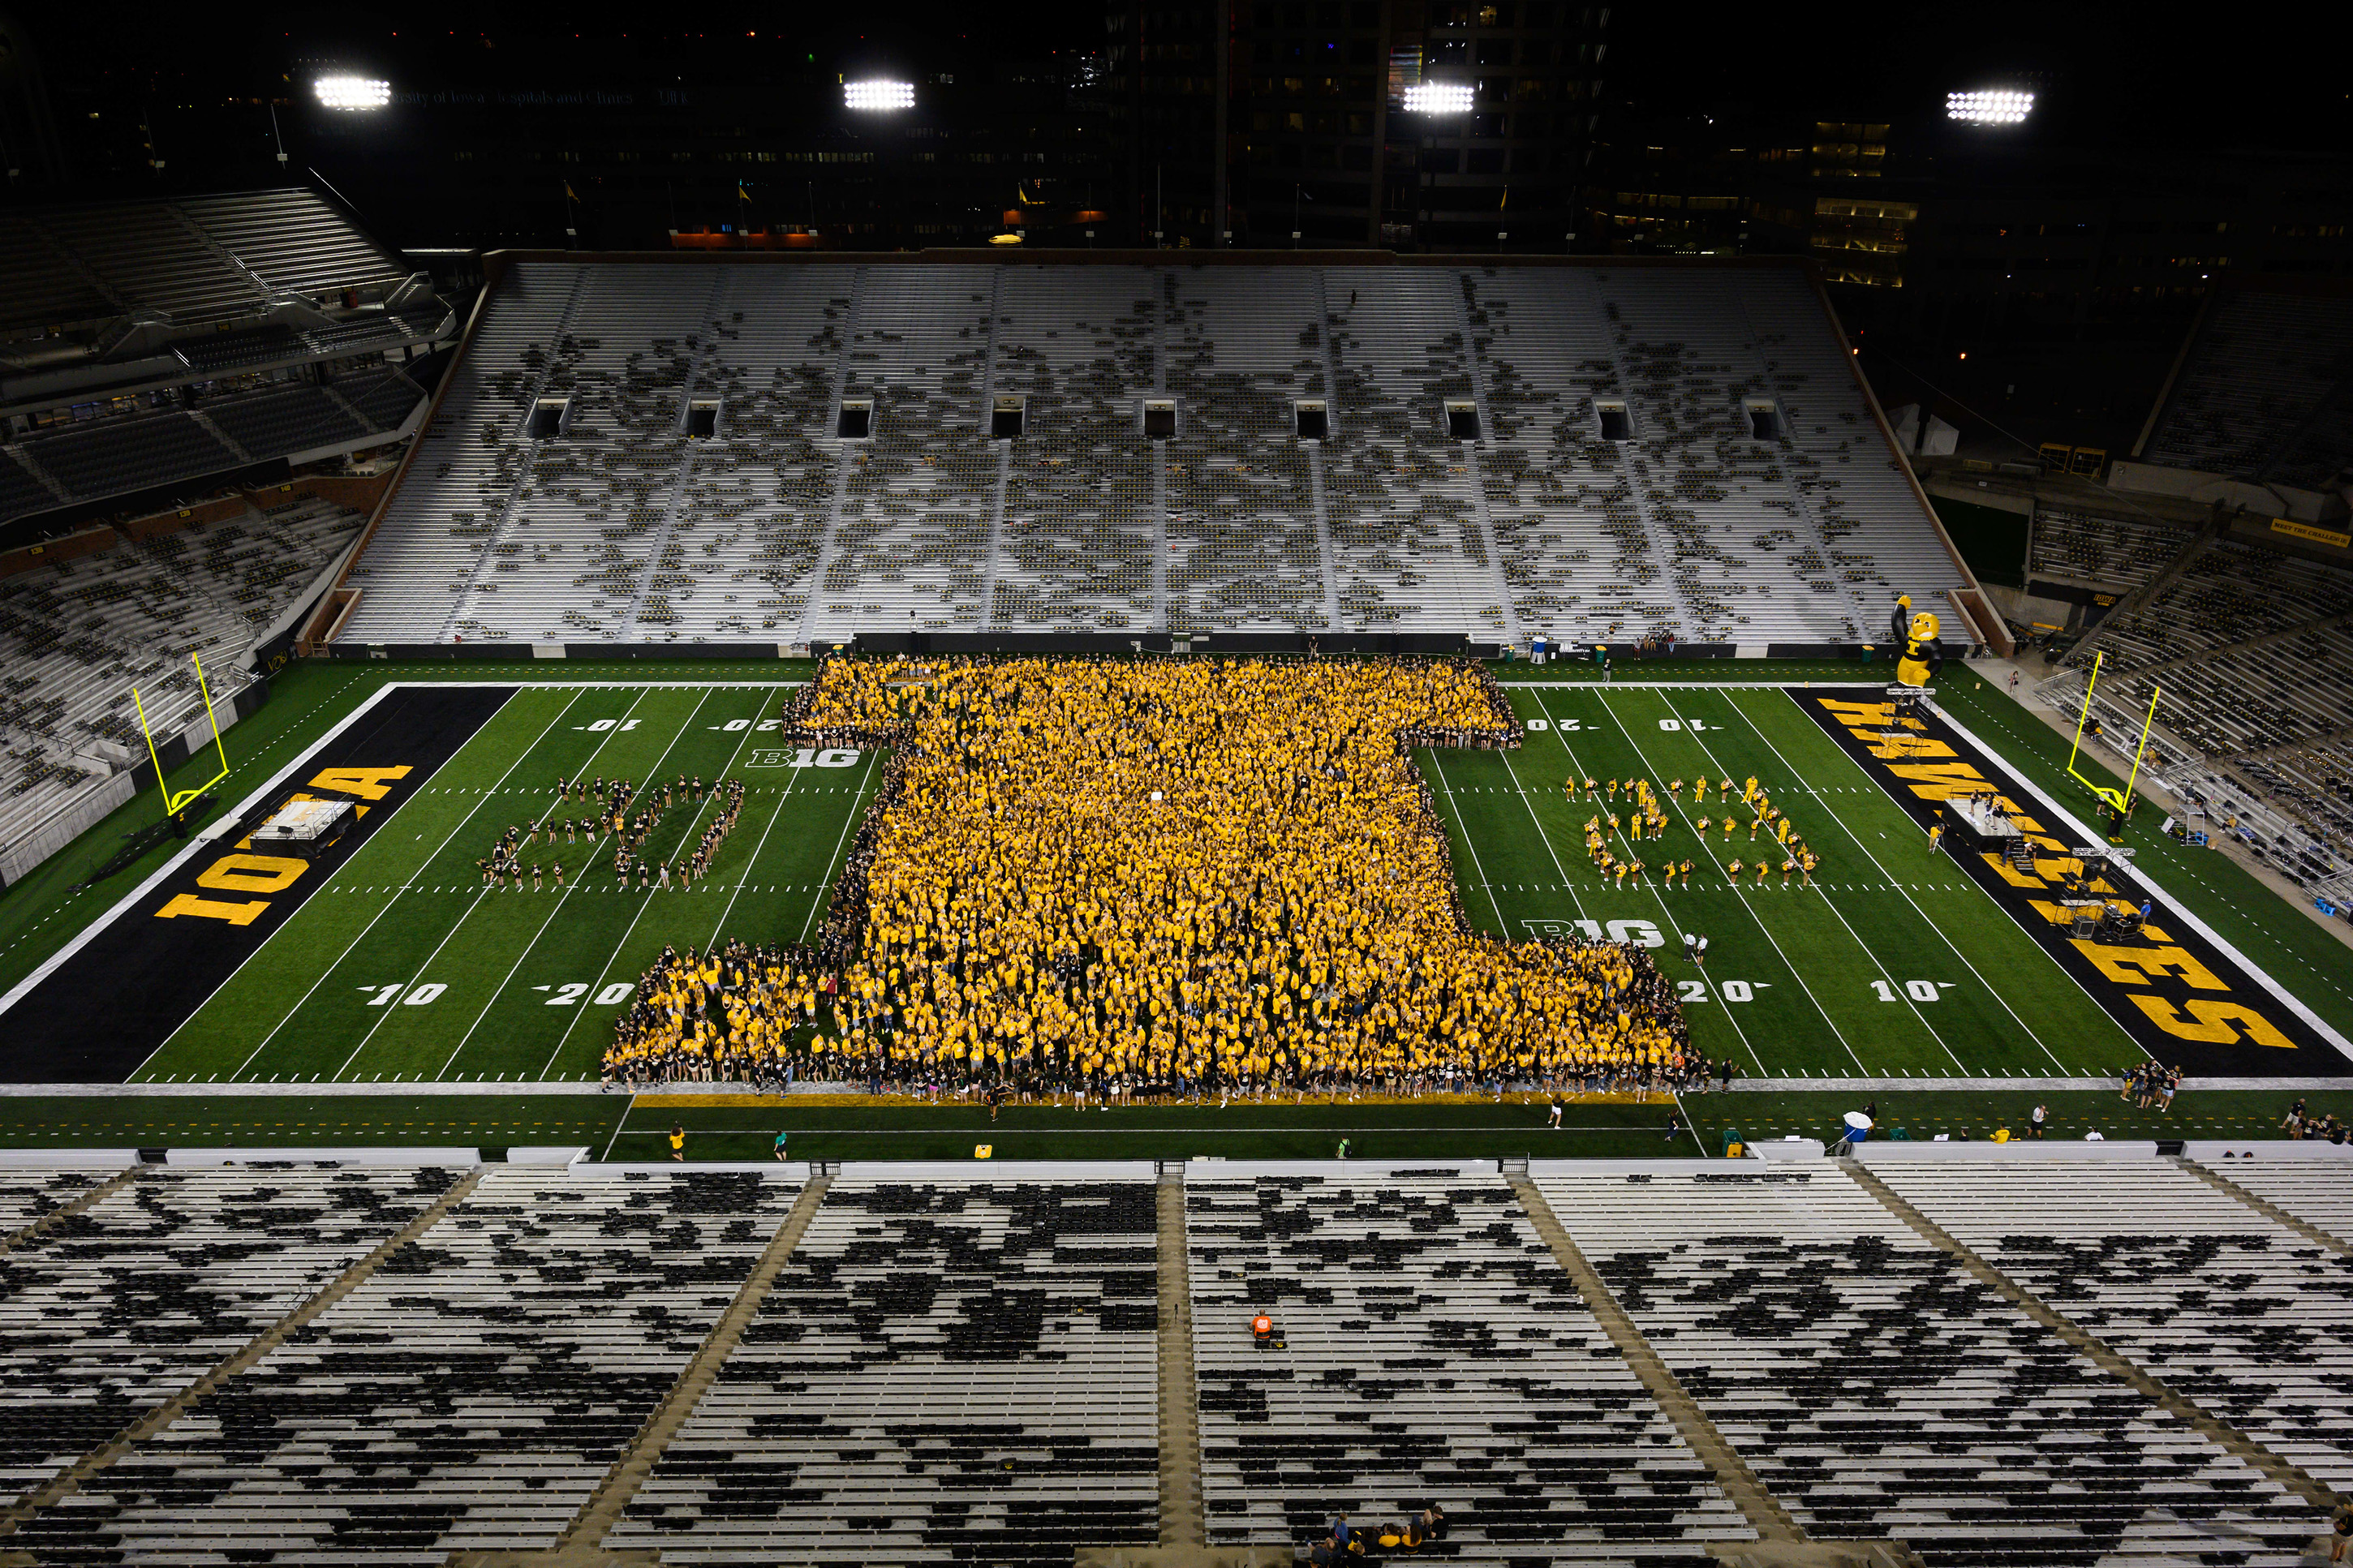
{"x": 1302, "y": 116}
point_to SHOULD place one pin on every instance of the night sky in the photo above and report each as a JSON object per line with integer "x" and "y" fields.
{"x": 2255, "y": 77}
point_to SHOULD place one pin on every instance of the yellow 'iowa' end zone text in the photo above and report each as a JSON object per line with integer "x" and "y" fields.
{"x": 240, "y": 871}
{"x": 2145, "y": 966}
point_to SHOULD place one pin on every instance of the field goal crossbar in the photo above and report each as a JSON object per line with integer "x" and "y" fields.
{"x": 2119, "y": 799}
{"x": 175, "y": 801}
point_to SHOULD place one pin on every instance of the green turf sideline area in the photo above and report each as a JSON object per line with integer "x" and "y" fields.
{"x": 616, "y": 1128}
{"x": 401, "y": 970}
{"x": 256, "y": 1120}
{"x": 1275, "y": 1132}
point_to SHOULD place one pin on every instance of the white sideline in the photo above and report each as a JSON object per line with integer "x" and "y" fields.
{"x": 198, "y": 844}
{"x": 2179, "y": 911}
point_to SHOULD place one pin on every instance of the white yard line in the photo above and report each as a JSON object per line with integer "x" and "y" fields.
{"x": 1930, "y": 924}
{"x": 532, "y": 945}
{"x": 1729, "y": 1016}
{"x": 631, "y": 930}
{"x": 1439, "y": 766}
{"x": 825, "y": 883}
{"x": 486, "y": 797}
{"x": 459, "y": 924}
{"x": 752, "y": 864}
{"x": 1795, "y": 972}
{"x": 1859, "y": 942}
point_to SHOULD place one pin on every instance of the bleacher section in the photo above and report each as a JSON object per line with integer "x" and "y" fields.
{"x": 2317, "y": 1191}
{"x": 1878, "y": 1390}
{"x": 2110, "y": 552}
{"x": 467, "y": 1396}
{"x": 1435, "y": 1352}
{"x": 2252, "y": 652}
{"x": 195, "y": 261}
{"x": 960, "y": 1366}
{"x": 27, "y": 1197}
{"x": 779, "y": 529}
{"x": 2235, "y": 1311}
{"x": 2263, "y": 391}
{"x": 76, "y": 636}
{"x": 285, "y": 419}
{"x": 947, "y": 1371}
{"x": 165, "y": 345}
{"x": 108, "y": 1316}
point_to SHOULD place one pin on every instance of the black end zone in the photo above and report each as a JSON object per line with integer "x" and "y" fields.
{"x": 106, "y": 1008}
{"x": 2180, "y": 997}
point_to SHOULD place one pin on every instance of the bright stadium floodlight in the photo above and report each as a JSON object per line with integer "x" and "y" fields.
{"x": 354, "y": 92}
{"x": 1996, "y": 107}
{"x": 1438, "y": 97}
{"x": 877, "y": 96}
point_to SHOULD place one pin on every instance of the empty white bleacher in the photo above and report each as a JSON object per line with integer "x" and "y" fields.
{"x": 1877, "y": 530}
{"x": 947, "y": 1372}
{"x": 467, "y": 1395}
{"x": 1245, "y": 551}
{"x": 2260, "y": 366}
{"x": 752, "y": 520}
{"x": 112, "y": 1313}
{"x": 1879, "y": 1390}
{"x": 1406, "y": 541}
{"x": 1565, "y": 513}
{"x": 439, "y": 524}
{"x": 1748, "y": 549}
{"x": 911, "y": 534}
{"x": 77, "y": 635}
{"x": 622, "y": 531}
{"x": 1082, "y": 530}
{"x": 1436, "y": 1352}
{"x": 2318, "y": 1192}
{"x": 2237, "y": 1312}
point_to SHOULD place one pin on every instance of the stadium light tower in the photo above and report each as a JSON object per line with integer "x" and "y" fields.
{"x": 1992, "y": 106}
{"x": 352, "y": 92}
{"x": 878, "y": 96}
{"x": 1429, "y": 103}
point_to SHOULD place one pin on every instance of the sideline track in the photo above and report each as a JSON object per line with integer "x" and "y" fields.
{"x": 721, "y": 1094}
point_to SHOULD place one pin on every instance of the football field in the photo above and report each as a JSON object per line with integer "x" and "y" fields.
{"x": 389, "y": 962}
{"x": 402, "y": 966}
{"x": 1893, "y": 964}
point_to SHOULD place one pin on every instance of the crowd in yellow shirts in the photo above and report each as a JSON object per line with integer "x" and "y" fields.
{"x": 1198, "y": 875}
{"x": 1644, "y": 821}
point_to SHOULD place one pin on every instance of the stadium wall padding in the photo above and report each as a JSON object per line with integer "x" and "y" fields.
{"x": 1990, "y": 539}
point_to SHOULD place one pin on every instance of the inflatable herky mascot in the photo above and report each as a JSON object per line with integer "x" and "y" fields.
{"x": 1923, "y": 652}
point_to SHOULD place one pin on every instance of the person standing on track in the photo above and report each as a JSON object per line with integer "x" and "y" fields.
{"x": 678, "y": 1143}
{"x": 1936, "y": 836}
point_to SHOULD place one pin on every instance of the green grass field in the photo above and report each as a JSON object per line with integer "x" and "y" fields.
{"x": 615, "y": 1127}
{"x": 402, "y": 969}
{"x": 1893, "y": 965}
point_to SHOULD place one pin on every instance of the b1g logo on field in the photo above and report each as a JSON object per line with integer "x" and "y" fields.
{"x": 804, "y": 757}
{"x": 1642, "y": 934}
